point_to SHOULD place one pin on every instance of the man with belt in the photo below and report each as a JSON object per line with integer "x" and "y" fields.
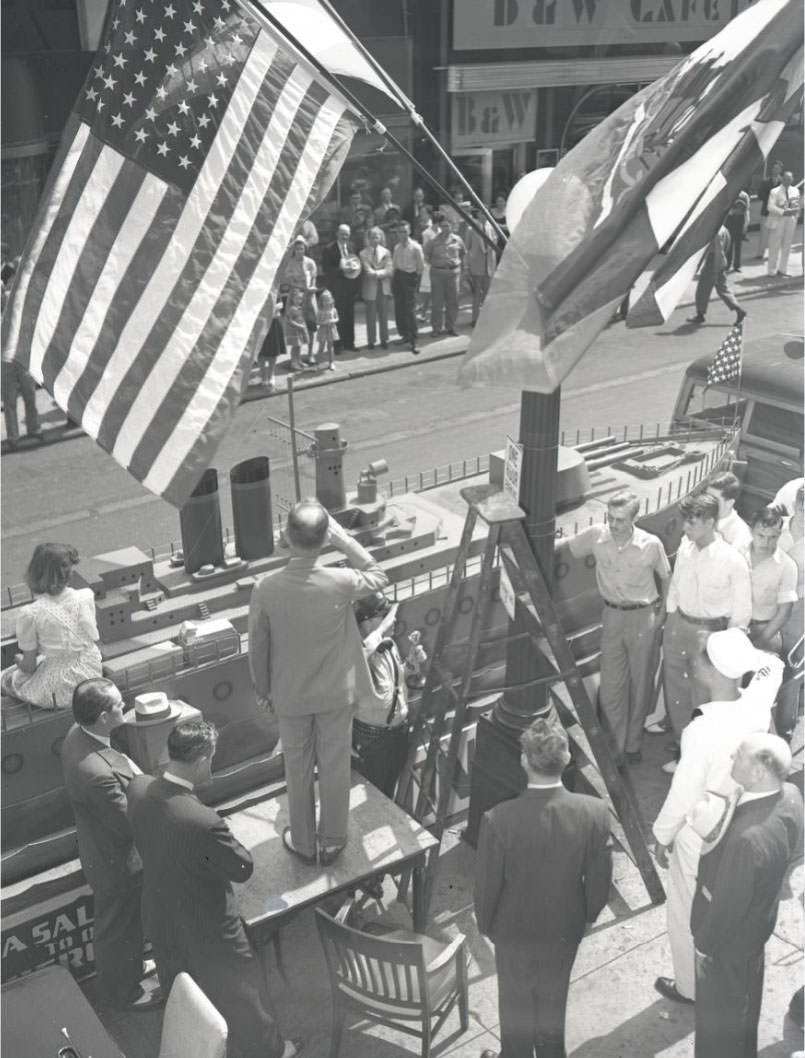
{"x": 710, "y": 590}
{"x": 629, "y": 565}
{"x": 445, "y": 255}
{"x": 773, "y": 575}
{"x": 408, "y": 262}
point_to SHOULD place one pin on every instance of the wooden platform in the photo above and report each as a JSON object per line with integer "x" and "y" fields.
{"x": 382, "y": 838}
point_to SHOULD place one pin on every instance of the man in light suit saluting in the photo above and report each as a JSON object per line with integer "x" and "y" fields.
{"x": 542, "y": 872}
{"x": 307, "y": 663}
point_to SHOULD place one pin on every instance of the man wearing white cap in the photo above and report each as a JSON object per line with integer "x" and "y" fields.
{"x": 741, "y": 873}
{"x": 708, "y": 742}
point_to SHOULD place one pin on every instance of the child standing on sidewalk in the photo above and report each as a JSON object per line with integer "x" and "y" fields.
{"x": 327, "y": 333}
{"x": 296, "y": 332}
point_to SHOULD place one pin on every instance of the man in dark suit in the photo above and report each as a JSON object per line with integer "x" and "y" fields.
{"x": 190, "y": 859}
{"x": 96, "y": 778}
{"x": 542, "y": 872}
{"x": 737, "y": 896}
{"x": 342, "y": 274}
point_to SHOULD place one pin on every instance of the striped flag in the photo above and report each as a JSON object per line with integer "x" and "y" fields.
{"x": 726, "y": 364}
{"x": 197, "y": 145}
{"x": 629, "y": 187}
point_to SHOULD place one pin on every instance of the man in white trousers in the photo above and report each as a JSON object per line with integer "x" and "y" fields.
{"x": 783, "y": 213}
{"x": 717, "y": 728}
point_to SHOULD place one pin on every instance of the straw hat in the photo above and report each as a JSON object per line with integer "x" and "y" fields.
{"x": 155, "y": 707}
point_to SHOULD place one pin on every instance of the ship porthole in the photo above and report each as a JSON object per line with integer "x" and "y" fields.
{"x": 561, "y": 569}
{"x": 433, "y": 616}
{"x": 56, "y": 748}
{"x": 589, "y": 562}
{"x": 466, "y": 604}
{"x": 12, "y": 763}
{"x": 223, "y": 690}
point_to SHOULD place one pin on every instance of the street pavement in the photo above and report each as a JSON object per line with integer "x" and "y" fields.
{"x": 396, "y": 406}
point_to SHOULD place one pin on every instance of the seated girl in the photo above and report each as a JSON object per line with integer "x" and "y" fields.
{"x": 57, "y": 633}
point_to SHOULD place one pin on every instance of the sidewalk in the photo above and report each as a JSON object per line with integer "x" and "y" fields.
{"x": 751, "y": 281}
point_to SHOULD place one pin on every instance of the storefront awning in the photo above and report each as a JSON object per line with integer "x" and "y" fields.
{"x": 554, "y": 73}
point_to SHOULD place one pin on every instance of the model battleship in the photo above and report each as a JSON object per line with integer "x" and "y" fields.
{"x": 179, "y": 625}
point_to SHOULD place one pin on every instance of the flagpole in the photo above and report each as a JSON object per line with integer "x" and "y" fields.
{"x": 417, "y": 120}
{"x": 331, "y": 79}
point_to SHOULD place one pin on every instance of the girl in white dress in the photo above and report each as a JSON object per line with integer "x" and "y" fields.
{"x": 57, "y": 633}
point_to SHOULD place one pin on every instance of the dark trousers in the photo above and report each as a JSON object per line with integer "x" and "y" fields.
{"x": 18, "y": 383}
{"x": 444, "y": 287}
{"x": 381, "y": 758}
{"x": 118, "y": 941}
{"x": 709, "y": 278}
{"x": 533, "y": 981}
{"x": 735, "y": 226}
{"x": 728, "y": 994}
{"x": 403, "y": 287}
{"x": 344, "y": 292}
{"x": 230, "y": 975}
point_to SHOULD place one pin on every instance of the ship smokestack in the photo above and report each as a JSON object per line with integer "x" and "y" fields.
{"x": 200, "y": 524}
{"x": 251, "y": 508}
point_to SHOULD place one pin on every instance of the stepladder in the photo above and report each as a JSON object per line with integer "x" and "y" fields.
{"x": 424, "y": 788}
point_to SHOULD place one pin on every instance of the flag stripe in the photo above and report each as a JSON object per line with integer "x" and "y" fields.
{"x": 91, "y": 206}
{"x": 235, "y": 329}
{"x": 100, "y": 229}
{"x": 78, "y": 164}
{"x": 154, "y": 297}
{"x": 135, "y": 216}
{"x": 115, "y": 305}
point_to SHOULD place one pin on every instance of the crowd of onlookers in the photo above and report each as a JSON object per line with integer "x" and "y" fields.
{"x": 407, "y": 263}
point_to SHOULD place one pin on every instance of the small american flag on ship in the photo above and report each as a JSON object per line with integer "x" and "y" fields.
{"x": 726, "y": 364}
{"x": 198, "y": 144}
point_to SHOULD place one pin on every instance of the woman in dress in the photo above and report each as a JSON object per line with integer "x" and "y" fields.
{"x": 57, "y": 633}
{"x": 300, "y": 274}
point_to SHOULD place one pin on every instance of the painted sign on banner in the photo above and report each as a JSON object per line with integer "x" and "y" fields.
{"x": 55, "y": 931}
{"x": 481, "y": 118}
{"x": 512, "y": 469}
{"x": 485, "y": 24}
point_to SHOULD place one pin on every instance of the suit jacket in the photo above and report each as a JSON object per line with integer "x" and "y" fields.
{"x": 370, "y": 281}
{"x": 335, "y": 278}
{"x": 543, "y": 867}
{"x": 305, "y": 649}
{"x": 96, "y": 779}
{"x": 190, "y": 860}
{"x": 738, "y": 887}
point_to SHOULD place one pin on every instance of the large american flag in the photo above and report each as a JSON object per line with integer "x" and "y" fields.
{"x": 197, "y": 145}
{"x": 661, "y": 169}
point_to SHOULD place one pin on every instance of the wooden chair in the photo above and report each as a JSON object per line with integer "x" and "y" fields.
{"x": 395, "y": 979}
{"x": 192, "y": 1025}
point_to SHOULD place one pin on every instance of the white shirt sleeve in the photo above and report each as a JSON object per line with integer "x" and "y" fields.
{"x": 687, "y": 786}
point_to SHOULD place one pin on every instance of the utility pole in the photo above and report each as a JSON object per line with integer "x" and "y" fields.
{"x": 496, "y": 772}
